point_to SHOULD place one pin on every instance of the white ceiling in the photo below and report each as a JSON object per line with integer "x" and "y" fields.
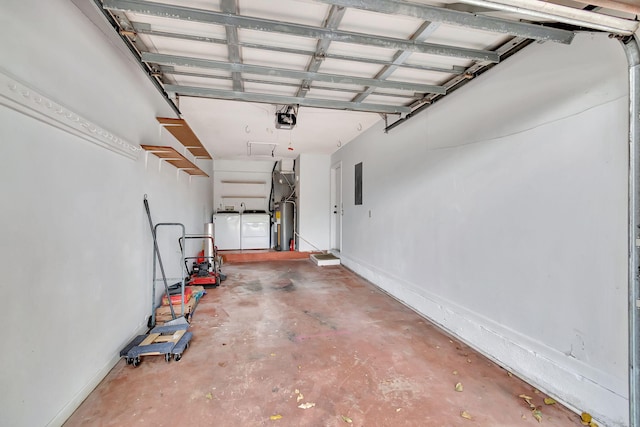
{"x": 280, "y": 37}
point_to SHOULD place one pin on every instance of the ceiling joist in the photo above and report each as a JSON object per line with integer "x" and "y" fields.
{"x": 285, "y": 100}
{"x": 168, "y": 70}
{"x": 144, "y": 28}
{"x": 157, "y": 58}
{"x": 211, "y": 17}
{"x": 462, "y": 19}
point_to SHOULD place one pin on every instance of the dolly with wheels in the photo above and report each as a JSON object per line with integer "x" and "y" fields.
{"x": 168, "y": 340}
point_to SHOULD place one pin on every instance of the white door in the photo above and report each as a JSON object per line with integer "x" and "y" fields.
{"x": 336, "y": 207}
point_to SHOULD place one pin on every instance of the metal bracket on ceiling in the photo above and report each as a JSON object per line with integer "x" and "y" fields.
{"x": 320, "y": 56}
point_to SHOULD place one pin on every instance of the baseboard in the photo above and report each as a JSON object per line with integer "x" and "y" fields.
{"x": 93, "y": 382}
{"x": 578, "y": 386}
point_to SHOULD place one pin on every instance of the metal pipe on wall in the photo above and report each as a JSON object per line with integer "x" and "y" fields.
{"x": 632, "y": 50}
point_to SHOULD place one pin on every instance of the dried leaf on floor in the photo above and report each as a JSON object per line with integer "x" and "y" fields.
{"x": 509, "y": 373}
{"x": 307, "y": 405}
{"x": 549, "y": 401}
{"x": 528, "y": 400}
{"x": 455, "y": 372}
{"x": 300, "y": 397}
{"x": 465, "y": 414}
{"x": 593, "y": 424}
{"x": 459, "y": 387}
{"x": 398, "y": 409}
{"x": 585, "y": 418}
{"x": 347, "y": 419}
{"x": 275, "y": 417}
{"x": 208, "y": 396}
{"x": 537, "y": 415}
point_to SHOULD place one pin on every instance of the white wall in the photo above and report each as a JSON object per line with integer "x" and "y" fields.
{"x": 313, "y": 205}
{"x": 249, "y": 180}
{"x": 500, "y": 213}
{"x": 75, "y": 245}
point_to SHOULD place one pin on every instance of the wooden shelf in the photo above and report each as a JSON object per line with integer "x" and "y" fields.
{"x": 170, "y": 155}
{"x": 243, "y": 197}
{"x": 183, "y": 133}
{"x": 242, "y": 182}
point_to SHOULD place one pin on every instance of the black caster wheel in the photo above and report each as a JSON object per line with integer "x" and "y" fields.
{"x": 177, "y": 357}
{"x": 167, "y": 357}
{"x": 136, "y": 362}
{"x": 129, "y": 361}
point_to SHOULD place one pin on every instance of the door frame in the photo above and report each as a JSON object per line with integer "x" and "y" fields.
{"x": 336, "y": 205}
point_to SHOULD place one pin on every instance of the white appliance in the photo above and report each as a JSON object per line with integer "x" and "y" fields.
{"x": 254, "y": 230}
{"x": 227, "y": 230}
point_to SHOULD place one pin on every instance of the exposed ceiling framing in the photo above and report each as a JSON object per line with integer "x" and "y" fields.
{"x": 389, "y": 57}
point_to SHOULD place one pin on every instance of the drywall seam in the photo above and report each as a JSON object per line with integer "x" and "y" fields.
{"x": 573, "y": 381}
{"x": 22, "y": 98}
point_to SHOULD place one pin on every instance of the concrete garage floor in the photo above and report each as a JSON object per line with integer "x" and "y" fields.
{"x": 280, "y": 334}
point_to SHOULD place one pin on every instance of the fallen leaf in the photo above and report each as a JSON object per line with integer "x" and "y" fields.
{"x": 465, "y": 414}
{"x": 300, "y": 397}
{"x": 347, "y": 419}
{"x": 524, "y": 417}
{"x": 585, "y": 418}
{"x": 399, "y": 409}
{"x": 549, "y": 401}
{"x": 459, "y": 387}
{"x": 536, "y": 391}
{"x": 307, "y": 405}
{"x": 593, "y": 424}
{"x": 528, "y": 400}
{"x": 208, "y": 396}
{"x": 275, "y": 417}
{"x": 468, "y": 360}
{"x": 297, "y": 391}
{"x": 509, "y": 373}
{"x": 537, "y": 415}
{"x": 455, "y": 372}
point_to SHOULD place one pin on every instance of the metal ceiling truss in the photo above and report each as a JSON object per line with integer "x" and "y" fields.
{"x": 144, "y": 28}
{"x": 169, "y": 70}
{"x": 417, "y": 96}
{"x": 336, "y": 13}
{"x": 285, "y": 100}
{"x": 162, "y": 59}
{"x": 268, "y": 25}
{"x": 462, "y": 19}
